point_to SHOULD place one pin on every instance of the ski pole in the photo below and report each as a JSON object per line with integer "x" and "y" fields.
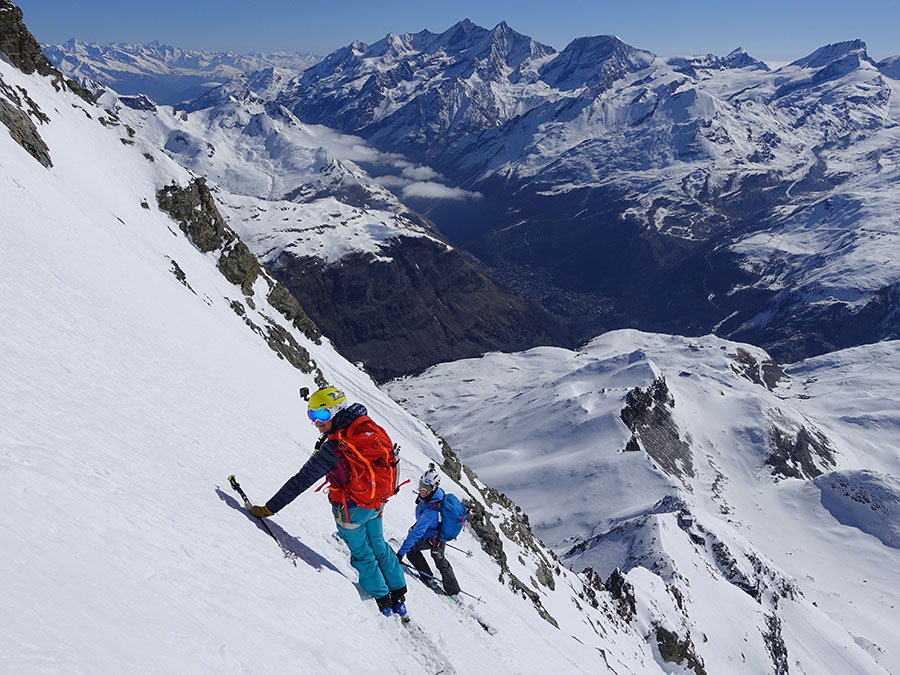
{"x": 432, "y": 577}
{"x": 457, "y": 548}
{"x": 237, "y": 488}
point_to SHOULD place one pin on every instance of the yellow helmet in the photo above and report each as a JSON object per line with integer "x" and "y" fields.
{"x": 325, "y": 404}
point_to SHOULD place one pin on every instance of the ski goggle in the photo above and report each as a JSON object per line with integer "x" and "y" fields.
{"x": 319, "y": 414}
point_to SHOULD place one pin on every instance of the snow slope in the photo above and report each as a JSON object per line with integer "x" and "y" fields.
{"x": 131, "y": 388}
{"x": 768, "y": 501}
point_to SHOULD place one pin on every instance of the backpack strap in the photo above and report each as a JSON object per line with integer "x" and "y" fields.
{"x": 362, "y": 460}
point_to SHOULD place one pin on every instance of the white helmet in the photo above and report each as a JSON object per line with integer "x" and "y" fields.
{"x": 430, "y": 479}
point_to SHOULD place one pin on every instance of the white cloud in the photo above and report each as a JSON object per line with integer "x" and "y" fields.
{"x": 392, "y": 181}
{"x": 421, "y": 173}
{"x": 427, "y": 190}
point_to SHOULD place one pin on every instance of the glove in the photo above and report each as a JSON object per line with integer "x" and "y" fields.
{"x": 260, "y": 511}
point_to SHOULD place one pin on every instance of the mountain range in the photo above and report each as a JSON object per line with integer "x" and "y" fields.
{"x": 167, "y": 74}
{"x": 706, "y": 171}
{"x": 616, "y": 188}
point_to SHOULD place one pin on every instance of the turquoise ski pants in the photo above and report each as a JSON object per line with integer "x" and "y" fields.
{"x": 377, "y": 565}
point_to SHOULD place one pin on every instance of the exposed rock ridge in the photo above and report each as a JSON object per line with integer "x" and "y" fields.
{"x": 198, "y": 216}
{"x": 24, "y": 52}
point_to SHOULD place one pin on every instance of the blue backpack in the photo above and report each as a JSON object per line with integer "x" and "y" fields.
{"x": 453, "y": 517}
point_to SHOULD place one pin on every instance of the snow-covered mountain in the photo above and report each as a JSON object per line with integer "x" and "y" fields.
{"x": 752, "y": 202}
{"x": 423, "y": 90}
{"x": 147, "y": 355}
{"x": 760, "y": 505}
{"x": 167, "y": 74}
{"x": 616, "y": 188}
{"x": 345, "y": 245}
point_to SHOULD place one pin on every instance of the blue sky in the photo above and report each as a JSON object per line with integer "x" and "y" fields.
{"x": 774, "y": 31}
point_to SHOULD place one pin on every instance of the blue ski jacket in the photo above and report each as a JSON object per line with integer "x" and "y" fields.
{"x": 323, "y": 461}
{"x": 428, "y": 521}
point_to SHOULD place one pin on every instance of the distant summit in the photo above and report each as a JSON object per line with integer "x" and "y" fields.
{"x": 834, "y": 52}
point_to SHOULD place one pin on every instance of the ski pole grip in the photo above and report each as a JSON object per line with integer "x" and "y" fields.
{"x": 237, "y": 488}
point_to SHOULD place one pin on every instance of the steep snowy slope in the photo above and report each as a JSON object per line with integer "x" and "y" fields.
{"x": 765, "y": 503}
{"x": 144, "y": 360}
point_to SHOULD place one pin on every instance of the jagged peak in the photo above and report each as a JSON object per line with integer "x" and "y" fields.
{"x": 834, "y": 52}
{"x": 592, "y": 60}
{"x": 740, "y": 58}
{"x": 461, "y": 36}
{"x": 601, "y": 47}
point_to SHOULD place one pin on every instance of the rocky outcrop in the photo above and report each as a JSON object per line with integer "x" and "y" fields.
{"x": 775, "y": 646}
{"x": 674, "y": 649}
{"x": 17, "y": 42}
{"x": 648, "y": 413}
{"x": 622, "y": 592}
{"x": 428, "y": 304}
{"x": 22, "y": 130}
{"x": 24, "y": 52}
{"x": 195, "y": 210}
{"x": 797, "y": 454}
{"x": 766, "y": 373}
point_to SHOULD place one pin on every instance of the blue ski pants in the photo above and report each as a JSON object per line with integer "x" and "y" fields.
{"x": 377, "y": 565}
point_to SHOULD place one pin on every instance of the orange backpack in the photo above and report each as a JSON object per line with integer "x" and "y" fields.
{"x": 372, "y": 459}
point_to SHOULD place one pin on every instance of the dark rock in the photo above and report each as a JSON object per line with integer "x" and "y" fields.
{"x": 623, "y": 593}
{"x": 24, "y": 52}
{"x": 514, "y": 524}
{"x": 240, "y": 266}
{"x": 673, "y": 649}
{"x": 17, "y": 42}
{"x": 281, "y": 299}
{"x": 24, "y": 132}
{"x": 480, "y": 521}
{"x": 428, "y": 304}
{"x": 768, "y": 373}
{"x": 648, "y": 414}
{"x": 139, "y": 102}
{"x": 795, "y": 457}
{"x": 284, "y": 344}
{"x": 775, "y": 645}
{"x": 593, "y": 585}
{"x": 198, "y": 216}
{"x": 730, "y": 570}
{"x": 195, "y": 210}
{"x": 452, "y": 464}
{"x": 180, "y": 275}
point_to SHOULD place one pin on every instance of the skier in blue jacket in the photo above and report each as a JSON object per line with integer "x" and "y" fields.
{"x": 426, "y": 532}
